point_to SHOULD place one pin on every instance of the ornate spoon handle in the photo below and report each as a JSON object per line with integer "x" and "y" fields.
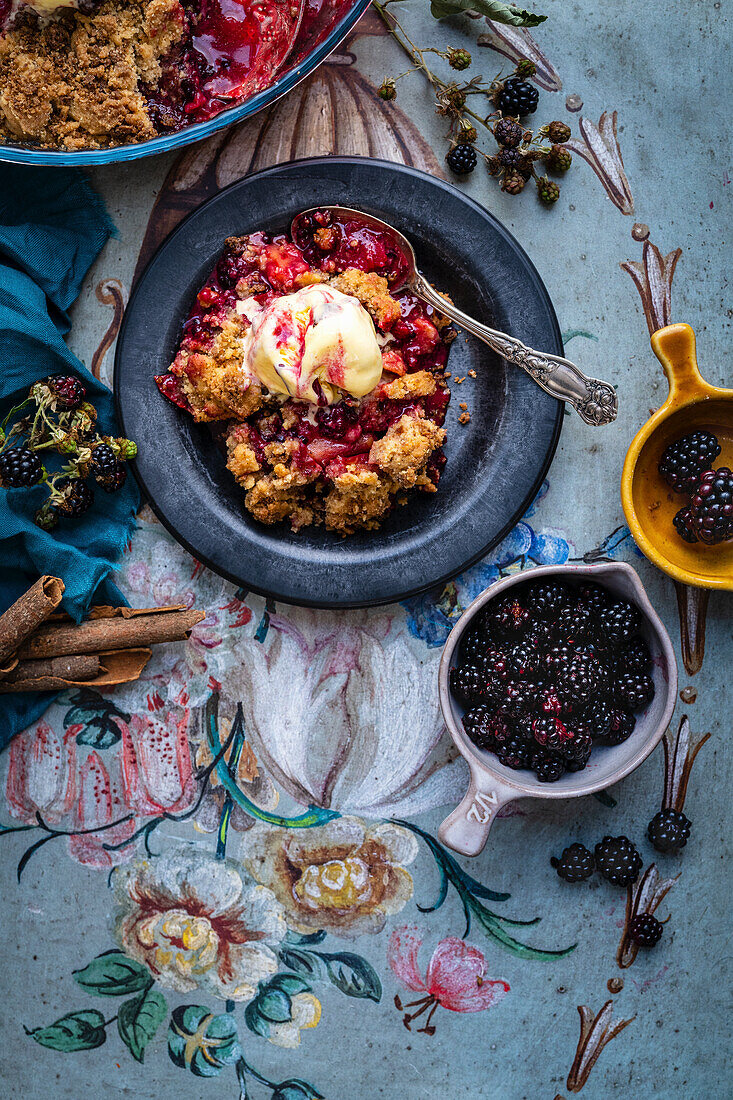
{"x": 595, "y": 401}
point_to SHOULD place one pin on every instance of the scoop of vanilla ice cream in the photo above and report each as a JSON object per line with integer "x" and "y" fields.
{"x": 316, "y": 335}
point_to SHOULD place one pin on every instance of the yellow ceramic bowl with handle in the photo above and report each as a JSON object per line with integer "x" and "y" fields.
{"x": 649, "y": 503}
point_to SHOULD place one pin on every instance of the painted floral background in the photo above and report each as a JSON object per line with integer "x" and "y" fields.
{"x": 229, "y": 870}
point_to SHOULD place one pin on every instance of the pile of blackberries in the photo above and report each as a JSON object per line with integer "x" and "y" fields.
{"x": 550, "y": 669}
{"x": 687, "y": 467}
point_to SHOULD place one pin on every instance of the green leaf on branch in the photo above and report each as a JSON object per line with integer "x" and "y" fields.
{"x": 139, "y": 1019}
{"x": 492, "y": 9}
{"x": 83, "y": 1030}
{"x": 113, "y": 975}
{"x": 350, "y": 973}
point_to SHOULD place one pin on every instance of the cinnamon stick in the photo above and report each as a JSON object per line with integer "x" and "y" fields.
{"x": 117, "y": 632}
{"x": 28, "y": 612}
{"x": 119, "y": 667}
{"x": 76, "y": 668}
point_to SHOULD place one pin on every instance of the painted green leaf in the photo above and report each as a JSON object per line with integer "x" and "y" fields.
{"x": 302, "y": 938}
{"x": 350, "y": 973}
{"x": 255, "y": 1021}
{"x": 289, "y": 983}
{"x": 202, "y": 1042}
{"x": 139, "y": 1019}
{"x": 83, "y": 1030}
{"x": 275, "y": 1005}
{"x": 295, "y": 1089}
{"x": 113, "y": 975}
{"x": 492, "y": 9}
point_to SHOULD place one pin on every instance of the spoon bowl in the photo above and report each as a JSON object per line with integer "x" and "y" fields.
{"x": 595, "y": 401}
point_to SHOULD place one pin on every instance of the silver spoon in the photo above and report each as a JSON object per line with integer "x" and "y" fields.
{"x": 594, "y": 401}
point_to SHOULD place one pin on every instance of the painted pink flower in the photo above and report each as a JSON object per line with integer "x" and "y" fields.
{"x": 455, "y": 978}
{"x": 157, "y": 774}
{"x": 41, "y": 774}
{"x": 100, "y": 803}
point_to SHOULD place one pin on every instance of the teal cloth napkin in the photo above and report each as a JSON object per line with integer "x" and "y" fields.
{"x": 52, "y": 227}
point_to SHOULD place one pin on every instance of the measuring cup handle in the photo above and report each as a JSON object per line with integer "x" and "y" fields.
{"x": 674, "y": 347}
{"x": 467, "y": 828}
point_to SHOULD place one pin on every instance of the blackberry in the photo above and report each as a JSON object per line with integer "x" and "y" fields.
{"x": 593, "y": 597}
{"x": 496, "y": 664}
{"x": 669, "y": 830}
{"x": 485, "y": 727}
{"x": 515, "y": 752}
{"x": 558, "y": 657}
{"x": 462, "y": 159}
{"x": 474, "y": 643}
{"x": 579, "y": 679}
{"x": 558, "y": 159}
{"x": 517, "y": 98}
{"x": 103, "y": 461}
{"x": 68, "y": 390}
{"x": 550, "y": 702}
{"x": 621, "y": 728}
{"x": 540, "y": 637}
{"x": 510, "y": 158}
{"x": 509, "y": 617}
{"x": 78, "y": 498}
{"x": 523, "y": 659}
{"x": 46, "y": 517}
{"x": 598, "y": 716}
{"x": 468, "y": 684}
{"x": 636, "y": 657}
{"x": 578, "y": 747}
{"x": 513, "y": 182}
{"x": 712, "y": 506}
{"x": 508, "y": 133}
{"x": 20, "y": 468}
{"x": 548, "y": 192}
{"x": 547, "y": 767}
{"x": 575, "y": 864}
{"x": 684, "y": 525}
{"x": 573, "y": 624}
{"x": 617, "y": 623}
{"x": 114, "y": 481}
{"x": 634, "y": 689}
{"x": 546, "y": 599}
{"x": 521, "y": 696}
{"x": 645, "y": 930}
{"x": 618, "y": 860}
{"x": 558, "y": 132}
{"x": 683, "y": 461}
{"x": 549, "y": 732}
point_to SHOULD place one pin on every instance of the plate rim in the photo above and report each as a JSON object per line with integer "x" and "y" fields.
{"x": 419, "y": 589}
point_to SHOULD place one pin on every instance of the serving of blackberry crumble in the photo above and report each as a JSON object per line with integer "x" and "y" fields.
{"x": 327, "y": 391}
{"x": 85, "y": 74}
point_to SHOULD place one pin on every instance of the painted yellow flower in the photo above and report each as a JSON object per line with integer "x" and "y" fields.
{"x": 305, "y": 1014}
{"x": 197, "y": 922}
{"x": 345, "y": 877}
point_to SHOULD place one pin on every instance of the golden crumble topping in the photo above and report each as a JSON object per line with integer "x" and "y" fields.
{"x": 373, "y": 292}
{"x": 404, "y": 450}
{"x": 74, "y": 82}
